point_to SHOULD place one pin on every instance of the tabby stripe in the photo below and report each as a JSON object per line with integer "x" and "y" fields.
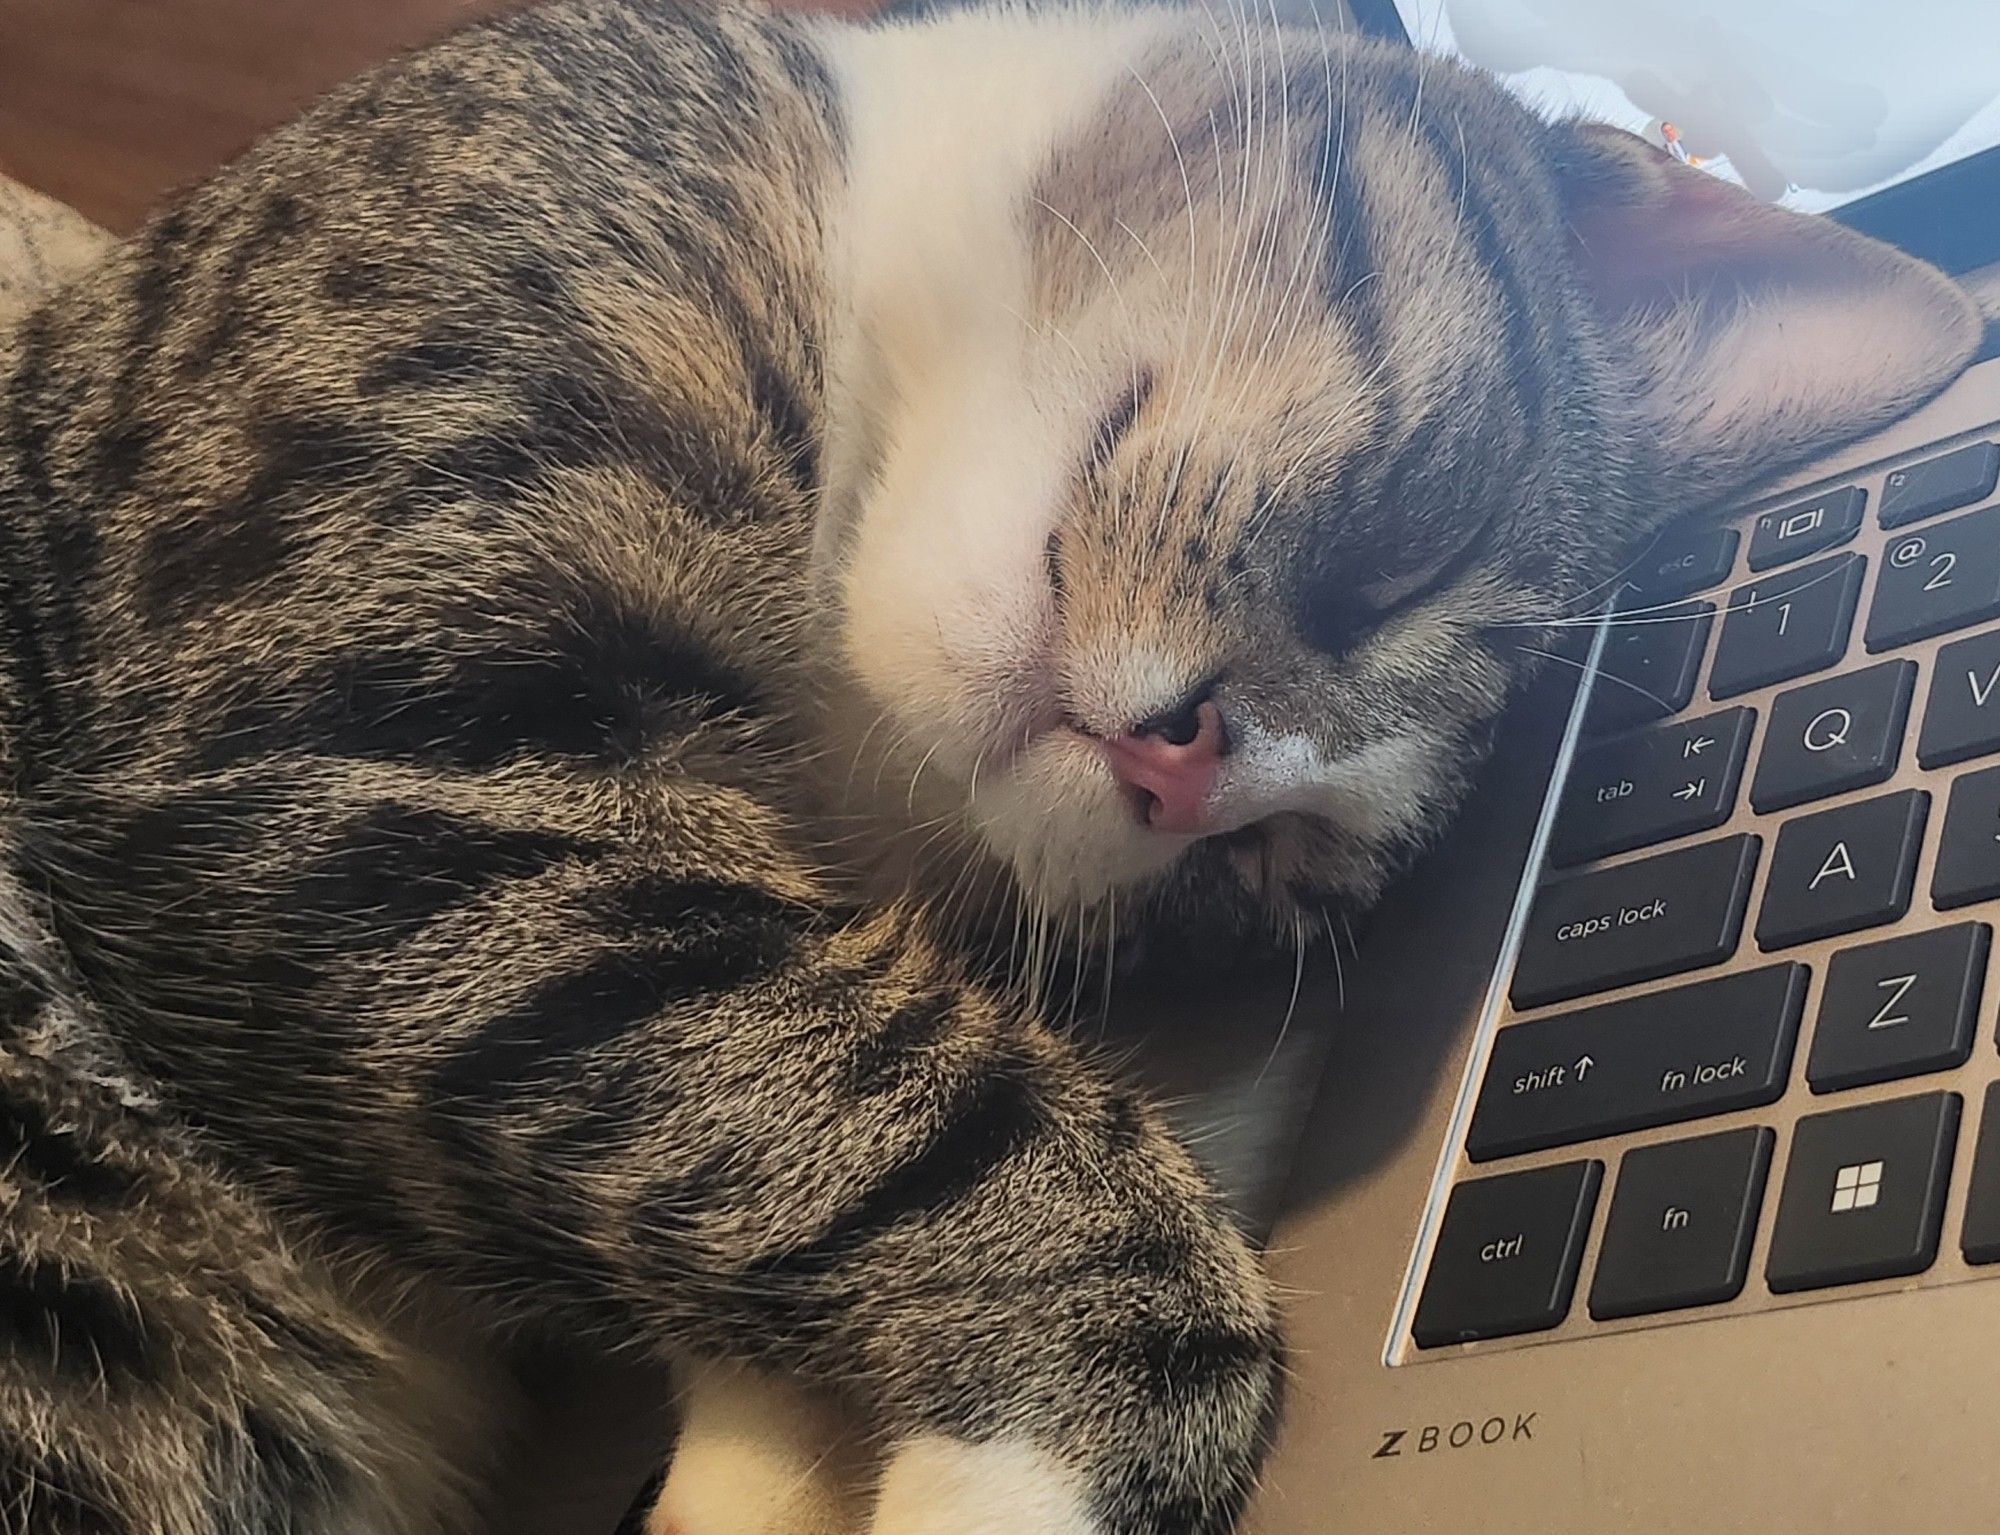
{"x": 57, "y": 1156}
{"x": 885, "y": 1058}
{"x": 294, "y": 1478}
{"x": 1351, "y": 281}
{"x": 23, "y": 996}
{"x": 162, "y": 256}
{"x": 219, "y": 552}
{"x": 602, "y": 686}
{"x": 325, "y": 1350}
{"x": 1473, "y": 182}
{"x": 29, "y": 434}
{"x": 64, "y": 1496}
{"x": 726, "y": 938}
{"x": 1184, "y": 1357}
{"x": 278, "y": 217}
{"x": 976, "y": 1133}
{"x": 79, "y": 1324}
{"x": 397, "y": 868}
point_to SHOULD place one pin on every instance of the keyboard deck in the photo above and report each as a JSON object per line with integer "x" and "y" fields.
{"x": 1747, "y": 1053}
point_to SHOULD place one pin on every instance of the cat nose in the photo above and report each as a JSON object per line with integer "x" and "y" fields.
{"x": 1169, "y": 766}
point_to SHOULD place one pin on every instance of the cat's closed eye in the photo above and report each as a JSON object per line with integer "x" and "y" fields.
{"x": 1342, "y": 605}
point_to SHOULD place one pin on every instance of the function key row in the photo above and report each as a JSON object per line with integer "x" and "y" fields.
{"x": 1692, "y": 557}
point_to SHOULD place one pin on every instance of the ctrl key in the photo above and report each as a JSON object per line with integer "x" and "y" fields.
{"x": 1507, "y": 1254}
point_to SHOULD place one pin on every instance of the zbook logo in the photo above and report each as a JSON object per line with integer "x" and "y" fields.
{"x": 1462, "y": 1435}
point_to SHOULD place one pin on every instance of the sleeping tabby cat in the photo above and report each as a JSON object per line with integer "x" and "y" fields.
{"x": 524, "y": 601}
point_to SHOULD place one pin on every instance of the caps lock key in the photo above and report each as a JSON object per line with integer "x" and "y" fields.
{"x": 1635, "y": 921}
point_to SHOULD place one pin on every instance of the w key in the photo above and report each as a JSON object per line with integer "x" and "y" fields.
{"x": 1962, "y": 718}
{"x": 1941, "y": 579}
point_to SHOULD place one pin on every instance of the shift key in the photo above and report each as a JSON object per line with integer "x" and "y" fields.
{"x": 1635, "y": 921}
{"x": 1658, "y": 1059}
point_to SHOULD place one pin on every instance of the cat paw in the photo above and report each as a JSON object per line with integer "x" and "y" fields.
{"x": 757, "y": 1456}
{"x": 938, "y": 1486}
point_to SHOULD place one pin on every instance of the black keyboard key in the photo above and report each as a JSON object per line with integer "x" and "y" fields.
{"x": 1653, "y": 1060}
{"x": 1649, "y": 666}
{"x": 1651, "y": 917}
{"x": 1940, "y": 484}
{"x": 1786, "y": 625}
{"x": 1941, "y": 579}
{"x": 1652, "y": 785}
{"x": 1845, "y": 732}
{"x": 1684, "y": 561}
{"x": 1843, "y": 869}
{"x": 1899, "y": 1007}
{"x": 1507, "y": 1254}
{"x": 1681, "y": 1223}
{"x": 1980, "y": 1236}
{"x": 1864, "y": 1193}
{"x": 1962, "y": 718}
{"x": 1793, "y": 532}
{"x": 1968, "y": 856}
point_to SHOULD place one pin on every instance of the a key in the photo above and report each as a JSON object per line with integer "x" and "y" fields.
{"x": 1685, "y": 561}
{"x": 1843, "y": 869}
{"x": 1682, "y": 1219}
{"x": 1636, "y": 921}
{"x": 1652, "y": 785}
{"x": 1899, "y": 1007}
{"x": 1962, "y": 715}
{"x": 1651, "y": 1060}
{"x": 1507, "y": 1253}
{"x": 1845, "y": 732}
{"x": 1979, "y": 1238}
{"x": 1786, "y": 625}
{"x": 1968, "y": 856}
{"x": 1793, "y": 532}
{"x": 1649, "y": 665}
{"x": 1864, "y": 1193}
{"x": 1943, "y": 578}
{"x": 1940, "y": 484}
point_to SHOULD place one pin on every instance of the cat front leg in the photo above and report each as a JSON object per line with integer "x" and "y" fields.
{"x": 616, "y": 1086}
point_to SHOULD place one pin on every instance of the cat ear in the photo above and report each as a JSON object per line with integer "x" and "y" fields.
{"x": 1755, "y": 335}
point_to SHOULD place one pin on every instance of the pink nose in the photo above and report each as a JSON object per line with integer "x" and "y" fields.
{"x": 1170, "y": 781}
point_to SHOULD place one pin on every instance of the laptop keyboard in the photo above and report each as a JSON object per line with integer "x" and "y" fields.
{"x": 1748, "y": 1037}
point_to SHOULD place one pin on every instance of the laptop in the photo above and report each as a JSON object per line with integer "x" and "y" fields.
{"x": 1653, "y": 1183}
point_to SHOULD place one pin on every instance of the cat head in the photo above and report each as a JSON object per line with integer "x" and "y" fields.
{"x": 1219, "y": 416}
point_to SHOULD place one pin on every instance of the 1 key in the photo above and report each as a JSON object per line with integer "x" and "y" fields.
{"x": 1786, "y": 625}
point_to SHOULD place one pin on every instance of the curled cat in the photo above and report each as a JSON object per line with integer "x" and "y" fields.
{"x": 530, "y": 603}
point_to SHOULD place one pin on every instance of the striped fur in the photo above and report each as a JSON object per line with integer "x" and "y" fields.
{"x": 454, "y": 566}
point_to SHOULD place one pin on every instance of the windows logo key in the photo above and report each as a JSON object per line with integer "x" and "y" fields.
{"x": 1857, "y": 1186}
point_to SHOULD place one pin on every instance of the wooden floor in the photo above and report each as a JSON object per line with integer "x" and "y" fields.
{"x": 108, "y": 104}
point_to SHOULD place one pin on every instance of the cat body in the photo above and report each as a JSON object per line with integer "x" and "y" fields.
{"x": 535, "y": 606}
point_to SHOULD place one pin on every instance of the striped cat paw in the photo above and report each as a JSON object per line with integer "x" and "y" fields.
{"x": 938, "y": 1486}
{"x": 757, "y": 1456}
